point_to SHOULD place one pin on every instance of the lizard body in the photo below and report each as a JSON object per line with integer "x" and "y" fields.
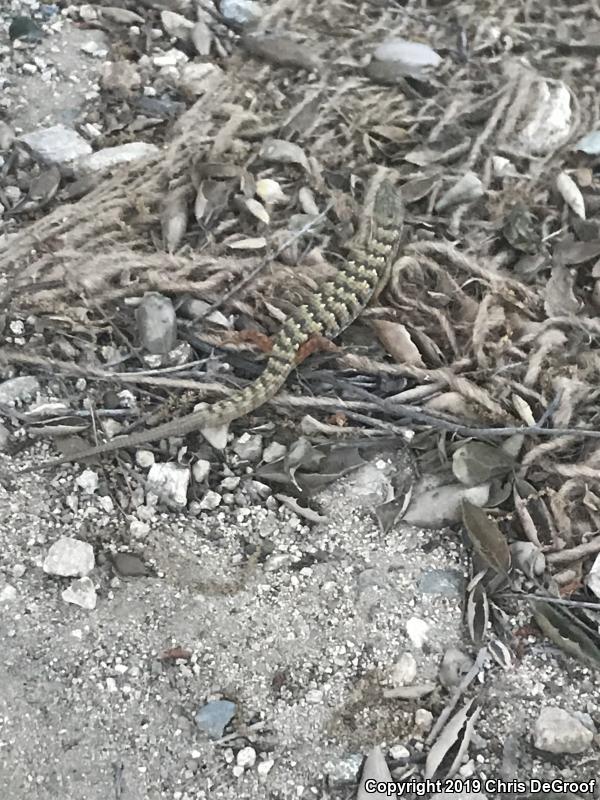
{"x": 326, "y": 313}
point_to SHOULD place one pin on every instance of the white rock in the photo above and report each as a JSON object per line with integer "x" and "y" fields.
{"x": 144, "y": 458}
{"x": 244, "y": 12}
{"x": 557, "y": 731}
{"x": 110, "y": 157}
{"x": 404, "y": 670}
{"x": 88, "y": 13}
{"x": 398, "y": 752}
{"x": 415, "y": 59}
{"x": 15, "y": 390}
{"x": 176, "y": 24}
{"x": 423, "y": 720}
{"x": 170, "y": 58}
{"x": 81, "y": 593}
{"x": 314, "y": 696}
{"x": 138, "y": 528}
{"x": 56, "y": 145}
{"x": 170, "y": 482}
{"x": 549, "y": 123}
{"x": 88, "y": 481}
{"x": 417, "y": 630}
{"x": 264, "y": 767}
{"x": 210, "y": 500}
{"x": 248, "y": 448}
{"x": 246, "y": 757}
{"x": 69, "y": 558}
{"x": 8, "y": 594}
{"x": 201, "y": 470}
{"x": 196, "y": 77}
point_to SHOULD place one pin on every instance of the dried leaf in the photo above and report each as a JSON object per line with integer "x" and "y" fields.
{"x": 307, "y": 201}
{"x": 398, "y": 343}
{"x": 201, "y": 38}
{"x": 465, "y": 190}
{"x": 413, "y": 59}
{"x": 250, "y": 243}
{"x": 282, "y": 152}
{"x": 487, "y": 538}
{"x": 501, "y": 654}
{"x": 412, "y": 692}
{"x": 476, "y": 462}
{"x": 519, "y": 230}
{"x": 446, "y": 740}
{"x": 572, "y": 252}
{"x": 375, "y": 769}
{"x": 439, "y": 507}
{"x": 270, "y": 191}
{"x": 281, "y": 50}
{"x": 121, "y": 15}
{"x": 257, "y": 210}
{"x": 566, "y": 631}
{"x": 559, "y": 297}
{"x": 415, "y": 190}
{"x": 528, "y": 558}
{"x": 523, "y": 409}
{"x": 467, "y": 734}
{"x": 571, "y": 194}
{"x": 200, "y": 203}
{"x": 392, "y": 132}
{"x": 478, "y": 613}
{"x": 174, "y": 219}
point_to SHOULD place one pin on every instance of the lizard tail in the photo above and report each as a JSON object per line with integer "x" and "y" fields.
{"x": 279, "y": 366}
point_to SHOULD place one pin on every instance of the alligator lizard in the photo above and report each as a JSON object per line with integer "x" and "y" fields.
{"x": 326, "y": 313}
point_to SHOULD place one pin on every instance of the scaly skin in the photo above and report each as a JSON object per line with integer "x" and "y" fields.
{"x": 326, "y": 313}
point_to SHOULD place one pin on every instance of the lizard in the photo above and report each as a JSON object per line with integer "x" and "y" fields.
{"x": 326, "y": 313}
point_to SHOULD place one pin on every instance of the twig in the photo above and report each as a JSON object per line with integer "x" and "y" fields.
{"x": 559, "y": 601}
{"x": 574, "y": 553}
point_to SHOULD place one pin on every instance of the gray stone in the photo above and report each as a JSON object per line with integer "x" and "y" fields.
{"x": 81, "y": 593}
{"x": 557, "y": 731}
{"x": 69, "y": 558}
{"x": 111, "y": 157}
{"x": 56, "y": 145}
{"x": 213, "y": 717}
{"x": 169, "y": 482}
{"x": 447, "y": 582}
{"x": 157, "y": 323}
{"x": 15, "y": 390}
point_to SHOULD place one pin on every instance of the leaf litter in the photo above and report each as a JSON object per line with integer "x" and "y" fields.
{"x": 492, "y": 304}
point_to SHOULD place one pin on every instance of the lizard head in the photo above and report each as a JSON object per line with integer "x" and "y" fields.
{"x": 388, "y": 209}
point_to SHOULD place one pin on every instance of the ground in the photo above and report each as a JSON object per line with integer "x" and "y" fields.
{"x": 306, "y": 626}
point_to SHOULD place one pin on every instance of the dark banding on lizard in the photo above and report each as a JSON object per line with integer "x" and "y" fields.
{"x": 326, "y": 313}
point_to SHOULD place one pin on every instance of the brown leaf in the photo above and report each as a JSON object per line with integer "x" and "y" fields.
{"x": 448, "y": 738}
{"x": 476, "y": 462}
{"x": 559, "y": 297}
{"x": 478, "y": 613}
{"x": 281, "y": 50}
{"x": 520, "y": 231}
{"x": 566, "y": 631}
{"x": 418, "y": 188}
{"x": 572, "y": 252}
{"x": 174, "y": 218}
{"x": 487, "y": 538}
{"x": 398, "y": 343}
{"x": 283, "y": 152}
